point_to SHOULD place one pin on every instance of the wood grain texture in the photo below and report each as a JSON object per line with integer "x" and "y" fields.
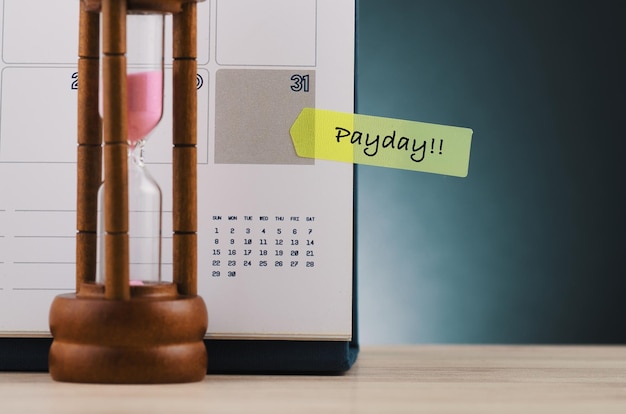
{"x": 114, "y": 27}
{"x": 184, "y": 163}
{"x": 165, "y": 6}
{"x": 185, "y": 220}
{"x": 406, "y": 379}
{"x": 185, "y": 263}
{"x": 89, "y": 177}
{"x": 89, "y": 33}
{"x": 185, "y": 195}
{"x": 89, "y": 152}
{"x": 114, "y": 105}
{"x": 88, "y": 122}
{"x": 185, "y": 32}
{"x": 86, "y": 257}
{"x": 185, "y": 102}
{"x": 114, "y": 113}
{"x": 143, "y": 340}
{"x": 117, "y": 270}
{"x": 116, "y": 188}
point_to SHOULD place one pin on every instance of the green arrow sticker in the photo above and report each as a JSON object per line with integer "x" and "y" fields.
{"x": 383, "y": 142}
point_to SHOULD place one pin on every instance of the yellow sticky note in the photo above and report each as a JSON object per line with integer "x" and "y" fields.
{"x": 383, "y": 142}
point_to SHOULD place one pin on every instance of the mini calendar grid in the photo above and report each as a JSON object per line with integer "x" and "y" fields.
{"x": 275, "y": 230}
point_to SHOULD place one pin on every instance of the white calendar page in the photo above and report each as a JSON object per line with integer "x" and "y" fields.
{"x": 275, "y": 230}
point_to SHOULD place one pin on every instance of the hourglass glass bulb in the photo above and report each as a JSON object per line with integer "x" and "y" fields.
{"x": 144, "y": 108}
{"x": 145, "y": 103}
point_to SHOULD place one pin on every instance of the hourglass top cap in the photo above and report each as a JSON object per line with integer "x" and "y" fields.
{"x": 161, "y": 6}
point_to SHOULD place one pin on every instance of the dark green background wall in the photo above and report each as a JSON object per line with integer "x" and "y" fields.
{"x": 530, "y": 246}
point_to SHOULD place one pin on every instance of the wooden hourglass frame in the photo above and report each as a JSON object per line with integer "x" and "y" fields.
{"x": 115, "y": 332}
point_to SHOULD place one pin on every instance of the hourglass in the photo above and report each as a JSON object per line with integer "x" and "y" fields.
{"x": 124, "y": 324}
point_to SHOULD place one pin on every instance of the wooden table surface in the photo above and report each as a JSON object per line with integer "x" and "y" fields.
{"x": 398, "y": 379}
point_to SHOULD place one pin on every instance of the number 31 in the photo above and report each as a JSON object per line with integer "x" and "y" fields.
{"x": 300, "y": 83}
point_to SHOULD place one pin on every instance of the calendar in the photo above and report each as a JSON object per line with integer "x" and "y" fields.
{"x": 275, "y": 231}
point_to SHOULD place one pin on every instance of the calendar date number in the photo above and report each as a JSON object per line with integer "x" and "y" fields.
{"x": 279, "y": 243}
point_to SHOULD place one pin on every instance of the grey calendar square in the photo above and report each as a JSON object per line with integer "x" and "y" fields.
{"x": 254, "y": 110}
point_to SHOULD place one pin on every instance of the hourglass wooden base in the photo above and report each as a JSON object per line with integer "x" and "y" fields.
{"x": 155, "y": 337}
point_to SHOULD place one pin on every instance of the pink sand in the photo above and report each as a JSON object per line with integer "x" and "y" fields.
{"x": 145, "y": 103}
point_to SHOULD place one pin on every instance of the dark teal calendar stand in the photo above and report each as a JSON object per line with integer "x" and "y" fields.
{"x": 250, "y": 357}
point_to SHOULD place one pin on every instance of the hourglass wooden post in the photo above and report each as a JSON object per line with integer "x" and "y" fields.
{"x": 185, "y": 150}
{"x": 115, "y": 331}
{"x": 89, "y": 157}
